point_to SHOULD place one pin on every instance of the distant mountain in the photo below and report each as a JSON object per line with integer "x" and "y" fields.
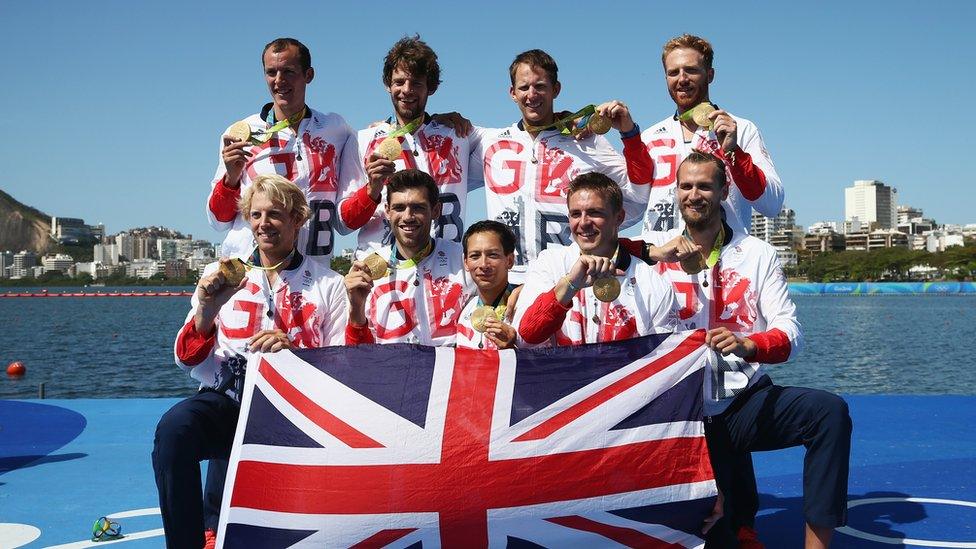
{"x": 23, "y": 227}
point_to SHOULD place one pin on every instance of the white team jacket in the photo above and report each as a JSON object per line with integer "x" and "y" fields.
{"x": 308, "y": 303}
{"x": 526, "y": 181}
{"x": 323, "y": 163}
{"x": 420, "y": 304}
{"x": 436, "y": 150}
{"x": 466, "y": 334}
{"x": 665, "y": 143}
{"x": 646, "y": 304}
{"x": 746, "y": 292}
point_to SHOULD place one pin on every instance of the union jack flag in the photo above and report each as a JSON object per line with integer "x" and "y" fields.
{"x": 411, "y": 446}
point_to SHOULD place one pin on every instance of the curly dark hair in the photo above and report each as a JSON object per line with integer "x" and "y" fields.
{"x": 414, "y": 56}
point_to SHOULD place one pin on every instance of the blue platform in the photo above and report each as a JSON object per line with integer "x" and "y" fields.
{"x": 64, "y": 463}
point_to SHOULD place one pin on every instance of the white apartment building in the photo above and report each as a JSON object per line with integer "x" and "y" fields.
{"x": 144, "y": 268}
{"x": 23, "y": 264}
{"x": 58, "y": 262}
{"x": 873, "y": 203}
{"x": 781, "y": 232}
{"x": 6, "y": 261}
{"x": 106, "y": 254}
{"x": 939, "y": 240}
{"x": 170, "y": 249}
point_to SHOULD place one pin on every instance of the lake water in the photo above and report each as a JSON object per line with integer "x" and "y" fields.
{"x": 123, "y": 347}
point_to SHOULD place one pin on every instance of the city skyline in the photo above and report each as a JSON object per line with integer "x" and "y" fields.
{"x": 350, "y": 242}
{"x": 126, "y": 102}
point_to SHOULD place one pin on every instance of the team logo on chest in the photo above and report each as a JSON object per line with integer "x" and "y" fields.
{"x": 442, "y": 158}
{"x": 555, "y": 173}
{"x": 323, "y": 176}
{"x": 735, "y": 302}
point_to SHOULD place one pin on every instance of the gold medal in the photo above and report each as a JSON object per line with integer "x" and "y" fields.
{"x": 240, "y": 130}
{"x": 480, "y": 315}
{"x": 693, "y": 264}
{"x": 700, "y": 112}
{"x": 606, "y": 288}
{"x": 233, "y": 271}
{"x": 376, "y": 265}
{"x": 390, "y": 149}
{"x": 598, "y": 124}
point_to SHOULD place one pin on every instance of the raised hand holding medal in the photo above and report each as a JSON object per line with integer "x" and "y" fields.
{"x": 578, "y": 123}
{"x": 606, "y": 288}
{"x": 696, "y": 262}
{"x": 480, "y": 315}
{"x": 233, "y": 270}
{"x": 700, "y": 115}
{"x": 726, "y": 131}
{"x": 239, "y": 131}
{"x": 242, "y": 131}
{"x": 390, "y": 148}
{"x": 376, "y": 266}
{"x": 616, "y": 115}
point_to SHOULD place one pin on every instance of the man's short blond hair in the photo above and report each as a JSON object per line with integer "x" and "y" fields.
{"x": 693, "y": 42}
{"x": 280, "y": 191}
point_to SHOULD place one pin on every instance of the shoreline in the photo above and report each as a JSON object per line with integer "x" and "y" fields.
{"x": 796, "y": 289}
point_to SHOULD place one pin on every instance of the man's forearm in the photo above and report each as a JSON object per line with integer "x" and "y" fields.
{"x": 542, "y": 318}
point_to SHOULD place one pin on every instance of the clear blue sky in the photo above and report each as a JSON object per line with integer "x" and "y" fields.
{"x": 113, "y": 109}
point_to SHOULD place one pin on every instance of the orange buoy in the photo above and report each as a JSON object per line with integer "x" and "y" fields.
{"x": 16, "y": 369}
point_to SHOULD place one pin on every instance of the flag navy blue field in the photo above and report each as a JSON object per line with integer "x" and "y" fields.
{"x": 405, "y": 445}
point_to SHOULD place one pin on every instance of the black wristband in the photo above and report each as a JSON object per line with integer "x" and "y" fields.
{"x": 633, "y": 131}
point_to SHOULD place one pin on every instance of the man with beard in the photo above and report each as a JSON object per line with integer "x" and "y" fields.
{"x": 528, "y": 166}
{"x": 732, "y": 285}
{"x": 688, "y": 72}
{"x": 411, "y": 75}
{"x": 564, "y": 301}
{"x": 412, "y": 290}
{"x": 315, "y": 150}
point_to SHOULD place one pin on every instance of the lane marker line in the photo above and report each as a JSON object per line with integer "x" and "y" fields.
{"x": 13, "y": 534}
{"x": 907, "y": 541}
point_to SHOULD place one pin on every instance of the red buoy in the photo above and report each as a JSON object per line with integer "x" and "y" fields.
{"x": 16, "y": 369}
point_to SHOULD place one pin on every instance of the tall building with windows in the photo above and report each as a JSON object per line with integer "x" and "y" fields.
{"x": 766, "y": 228}
{"x": 872, "y": 203}
{"x": 23, "y": 264}
{"x": 780, "y": 231}
{"x": 125, "y": 244}
{"x": 6, "y": 261}
{"x": 106, "y": 254}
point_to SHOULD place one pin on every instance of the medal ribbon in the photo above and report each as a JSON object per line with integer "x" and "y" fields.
{"x": 713, "y": 255}
{"x": 412, "y": 262}
{"x": 255, "y": 262}
{"x": 712, "y": 258}
{"x": 503, "y": 298}
{"x": 407, "y": 128}
{"x": 265, "y": 135}
{"x": 562, "y": 124}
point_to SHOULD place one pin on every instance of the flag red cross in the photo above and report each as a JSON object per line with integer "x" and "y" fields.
{"x": 465, "y": 483}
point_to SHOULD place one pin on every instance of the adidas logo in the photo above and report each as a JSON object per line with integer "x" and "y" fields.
{"x": 662, "y": 129}
{"x": 506, "y": 133}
